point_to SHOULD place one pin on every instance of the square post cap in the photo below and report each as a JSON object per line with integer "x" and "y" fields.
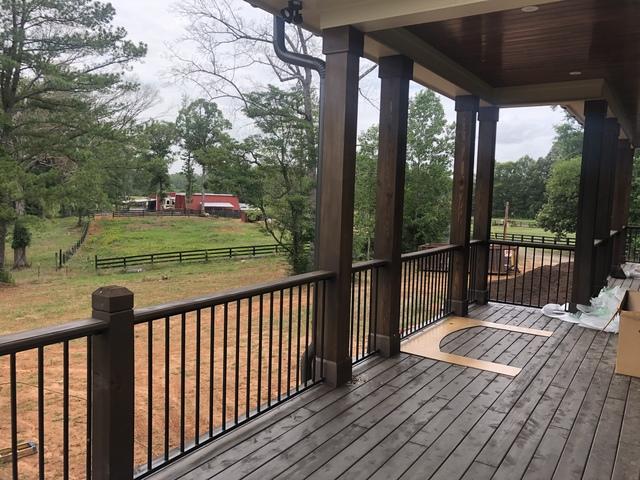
{"x": 467, "y": 103}
{"x": 112, "y": 298}
{"x": 342, "y": 40}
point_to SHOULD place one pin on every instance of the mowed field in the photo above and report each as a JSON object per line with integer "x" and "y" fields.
{"x": 44, "y": 296}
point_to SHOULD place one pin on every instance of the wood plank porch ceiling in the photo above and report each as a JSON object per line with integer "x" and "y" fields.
{"x": 503, "y": 55}
{"x": 511, "y": 48}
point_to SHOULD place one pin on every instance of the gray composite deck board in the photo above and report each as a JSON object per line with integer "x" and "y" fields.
{"x": 566, "y": 415}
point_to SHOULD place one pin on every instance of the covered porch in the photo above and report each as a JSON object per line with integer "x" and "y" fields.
{"x": 305, "y": 376}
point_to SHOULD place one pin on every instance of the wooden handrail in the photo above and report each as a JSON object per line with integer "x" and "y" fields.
{"x": 368, "y": 264}
{"x": 42, "y": 337}
{"x": 174, "y": 308}
{"x": 430, "y": 251}
{"x": 549, "y": 246}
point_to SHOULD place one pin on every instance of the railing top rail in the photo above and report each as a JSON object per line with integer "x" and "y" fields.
{"x": 367, "y": 264}
{"x": 174, "y": 308}
{"x": 430, "y": 251}
{"x": 42, "y": 337}
{"x": 550, "y": 246}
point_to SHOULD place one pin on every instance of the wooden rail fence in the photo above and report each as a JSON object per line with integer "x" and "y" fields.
{"x": 63, "y": 257}
{"x": 203, "y": 255}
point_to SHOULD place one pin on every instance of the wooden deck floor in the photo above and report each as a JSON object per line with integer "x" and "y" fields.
{"x": 566, "y": 415}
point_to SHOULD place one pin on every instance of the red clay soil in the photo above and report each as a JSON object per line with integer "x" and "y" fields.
{"x": 537, "y": 287}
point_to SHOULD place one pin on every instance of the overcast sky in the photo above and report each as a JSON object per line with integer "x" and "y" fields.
{"x": 521, "y": 131}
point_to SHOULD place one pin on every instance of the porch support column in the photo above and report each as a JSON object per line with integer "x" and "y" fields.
{"x": 395, "y": 72}
{"x": 462, "y": 197}
{"x": 488, "y": 120}
{"x": 343, "y": 48}
{"x": 620, "y": 209}
{"x": 608, "y": 164}
{"x": 583, "y": 269}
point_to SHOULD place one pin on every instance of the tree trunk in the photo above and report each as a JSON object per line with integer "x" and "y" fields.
{"x": 21, "y": 208}
{"x": 20, "y": 258}
{"x": 3, "y": 241}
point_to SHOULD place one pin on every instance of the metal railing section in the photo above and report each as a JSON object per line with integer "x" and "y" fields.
{"x": 426, "y": 288}
{"x": 530, "y": 274}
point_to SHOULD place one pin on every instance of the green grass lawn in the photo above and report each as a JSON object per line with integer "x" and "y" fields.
{"x": 135, "y": 236}
{"x": 43, "y": 295}
{"x": 525, "y": 231}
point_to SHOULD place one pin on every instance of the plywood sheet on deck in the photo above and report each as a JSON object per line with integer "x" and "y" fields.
{"x": 427, "y": 343}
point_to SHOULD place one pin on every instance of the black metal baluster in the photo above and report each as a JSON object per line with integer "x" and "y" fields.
{"x": 314, "y": 339}
{"x": 237, "y": 369}
{"x": 249, "y": 340}
{"x": 403, "y": 318}
{"x": 375, "y": 312}
{"x": 14, "y": 415}
{"x": 353, "y": 309}
{"x": 280, "y": 320}
{"x": 364, "y": 312}
{"x": 260, "y": 314}
{"x": 289, "y": 341}
{"x": 89, "y": 409}
{"x": 183, "y": 327}
{"x": 357, "y": 318}
{"x": 212, "y": 339}
{"x": 539, "y": 304}
{"x": 167, "y": 347}
{"x": 550, "y": 272}
{"x": 533, "y": 267}
{"x": 270, "y": 363}
{"x": 307, "y": 353}
{"x": 41, "y": 447}
{"x": 197, "y": 399}
{"x": 224, "y": 365}
{"x": 65, "y": 410}
{"x": 500, "y": 262}
{"x": 559, "y": 277}
{"x": 324, "y": 302}
{"x": 298, "y": 338}
{"x": 149, "y": 394}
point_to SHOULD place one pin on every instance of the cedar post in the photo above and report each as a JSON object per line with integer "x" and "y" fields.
{"x": 343, "y": 48}
{"x": 483, "y": 207}
{"x": 583, "y": 271}
{"x": 608, "y": 164}
{"x": 620, "y": 209}
{"x": 395, "y": 72}
{"x": 466, "y": 108}
{"x": 112, "y": 381}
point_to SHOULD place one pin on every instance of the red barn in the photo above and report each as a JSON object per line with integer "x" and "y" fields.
{"x": 213, "y": 202}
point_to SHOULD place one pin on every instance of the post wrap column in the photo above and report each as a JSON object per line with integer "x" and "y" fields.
{"x": 395, "y": 72}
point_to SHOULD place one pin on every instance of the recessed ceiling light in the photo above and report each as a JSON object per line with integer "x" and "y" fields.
{"x": 575, "y": 73}
{"x": 530, "y": 9}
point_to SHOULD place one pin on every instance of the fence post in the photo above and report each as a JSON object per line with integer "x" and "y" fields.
{"x": 96, "y": 261}
{"x": 112, "y": 385}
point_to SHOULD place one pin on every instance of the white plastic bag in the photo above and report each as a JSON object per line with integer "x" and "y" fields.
{"x": 598, "y": 315}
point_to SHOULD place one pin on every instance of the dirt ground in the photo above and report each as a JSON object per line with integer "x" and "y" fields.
{"x": 253, "y": 349}
{"x": 536, "y": 287}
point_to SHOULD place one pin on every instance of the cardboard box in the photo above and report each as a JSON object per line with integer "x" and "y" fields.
{"x": 628, "y": 358}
